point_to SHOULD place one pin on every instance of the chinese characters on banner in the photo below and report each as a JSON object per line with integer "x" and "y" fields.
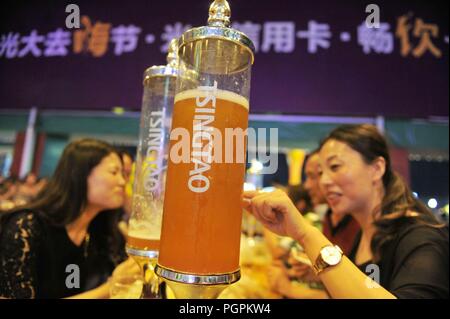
{"x": 411, "y": 36}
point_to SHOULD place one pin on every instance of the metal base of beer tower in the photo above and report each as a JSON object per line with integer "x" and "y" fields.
{"x": 150, "y": 254}
{"x": 153, "y": 287}
{"x": 193, "y": 286}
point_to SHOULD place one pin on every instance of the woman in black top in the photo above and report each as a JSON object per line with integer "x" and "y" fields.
{"x": 413, "y": 265}
{"x": 402, "y": 246}
{"x": 67, "y": 243}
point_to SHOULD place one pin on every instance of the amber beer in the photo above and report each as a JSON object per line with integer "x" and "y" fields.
{"x": 202, "y": 208}
{"x": 143, "y": 235}
{"x": 142, "y": 243}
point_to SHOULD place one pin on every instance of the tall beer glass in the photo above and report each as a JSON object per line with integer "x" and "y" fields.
{"x": 201, "y": 226}
{"x": 144, "y": 229}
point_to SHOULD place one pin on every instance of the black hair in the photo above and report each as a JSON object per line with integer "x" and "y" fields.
{"x": 298, "y": 193}
{"x": 64, "y": 197}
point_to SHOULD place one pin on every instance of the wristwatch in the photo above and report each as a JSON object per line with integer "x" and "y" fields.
{"x": 329, "y": 256}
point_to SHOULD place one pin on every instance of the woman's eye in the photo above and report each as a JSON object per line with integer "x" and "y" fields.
{"x": 334, "y": 167}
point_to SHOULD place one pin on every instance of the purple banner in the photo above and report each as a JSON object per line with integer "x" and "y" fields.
{"x": 313, "y": 57}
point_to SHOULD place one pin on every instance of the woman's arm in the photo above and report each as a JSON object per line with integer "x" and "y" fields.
{"x": 276, "y": 211}
{"x": 344, "y": 280}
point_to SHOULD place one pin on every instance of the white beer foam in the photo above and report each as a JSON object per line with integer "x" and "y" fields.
{"x": 145, "y": 229}
{"x": 220, "y": 94}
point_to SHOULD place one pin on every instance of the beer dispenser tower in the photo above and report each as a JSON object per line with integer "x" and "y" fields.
{"x": 144, "y": 228}
{"x": 201, "y": 227}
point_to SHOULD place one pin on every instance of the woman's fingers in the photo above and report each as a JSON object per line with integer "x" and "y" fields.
{"x": 251, "y": 194}
{"x": 266, "y": 205}
{"x": 247, "y": 197}
{"x": 267, "y": 212}
{"x": 275, "y": 210}
{"x": 246, "y": 203}
{"x": 261, "y": 207}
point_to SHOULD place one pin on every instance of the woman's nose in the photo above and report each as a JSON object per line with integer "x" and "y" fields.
{"x": 325, "y": 179}
{"x": 122, "y": 181}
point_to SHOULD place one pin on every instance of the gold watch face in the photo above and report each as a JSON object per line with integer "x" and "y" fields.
{"x": 331, "y": 255}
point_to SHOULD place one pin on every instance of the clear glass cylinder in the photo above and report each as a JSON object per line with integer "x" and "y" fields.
{"x": 144, "y": 228}
{"x": 202, "y": 209}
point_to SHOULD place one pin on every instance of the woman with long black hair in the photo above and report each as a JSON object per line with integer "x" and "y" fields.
{"x": 402, "y": 250}
{"x": 66, "y": 243}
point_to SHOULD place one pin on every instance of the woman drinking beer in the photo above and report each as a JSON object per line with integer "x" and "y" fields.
{"x": 66, "y": 243}
{"x": 402, "y": 251}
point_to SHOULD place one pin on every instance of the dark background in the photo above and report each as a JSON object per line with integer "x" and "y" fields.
{"x": 341, "y": 80}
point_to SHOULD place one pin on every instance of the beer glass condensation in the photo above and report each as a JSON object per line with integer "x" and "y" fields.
{"x": 201, "y": 227}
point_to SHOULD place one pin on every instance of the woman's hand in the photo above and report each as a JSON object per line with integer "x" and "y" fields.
{"x": 277, "y": 213}
{"x": 127, "y": 268}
